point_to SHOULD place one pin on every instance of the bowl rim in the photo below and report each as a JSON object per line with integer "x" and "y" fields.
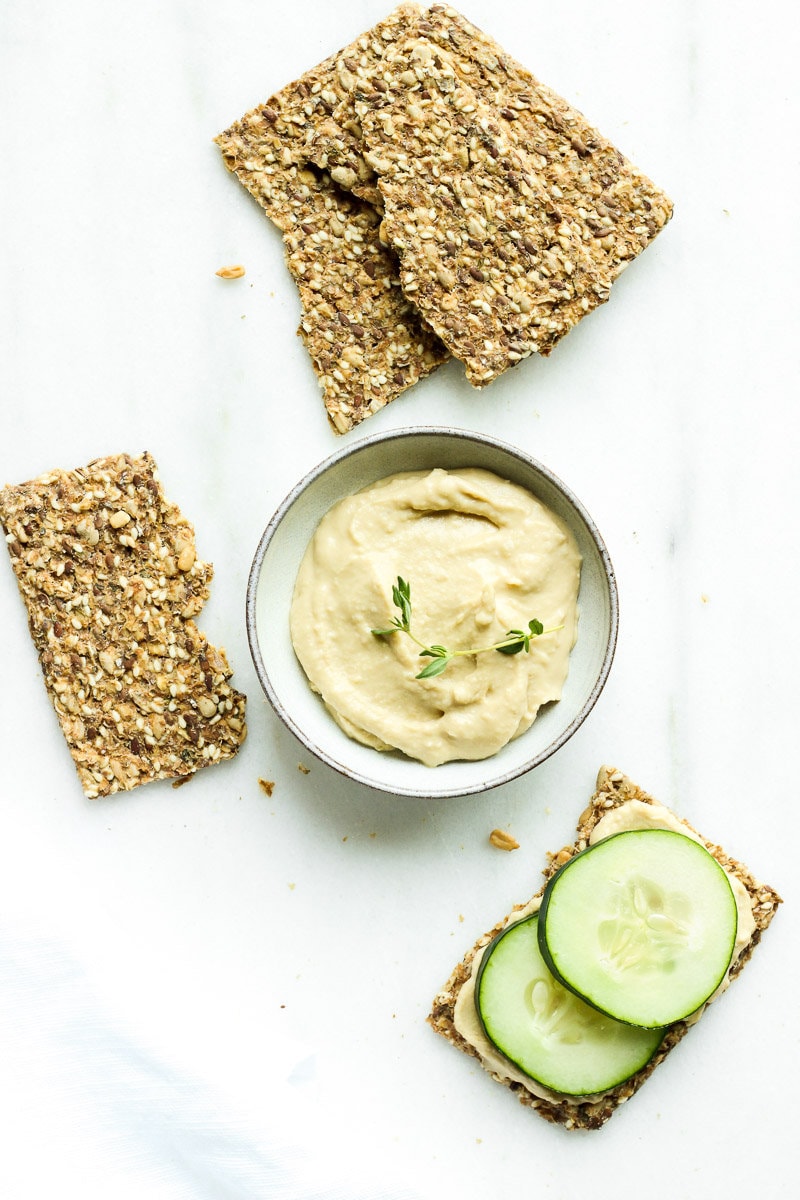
{"x": 327, "y": 464}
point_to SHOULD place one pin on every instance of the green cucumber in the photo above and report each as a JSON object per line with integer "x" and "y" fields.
{"x": 546, "y": 1031}
{"x": 641, "y": 925}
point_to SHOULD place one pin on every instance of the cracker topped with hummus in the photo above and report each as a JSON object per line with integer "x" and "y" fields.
{"x": 492, "y": 569}
{"x": 552, "y": 1040}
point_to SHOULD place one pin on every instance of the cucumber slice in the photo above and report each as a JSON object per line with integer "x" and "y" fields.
{"x": 641, "y": 925}
{"x": 545, "y": 1030}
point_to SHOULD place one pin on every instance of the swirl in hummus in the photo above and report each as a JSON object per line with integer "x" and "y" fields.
{"x": 483, "y": 556}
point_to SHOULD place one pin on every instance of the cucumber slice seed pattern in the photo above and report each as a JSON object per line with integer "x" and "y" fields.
{"x": 649, "y": 925}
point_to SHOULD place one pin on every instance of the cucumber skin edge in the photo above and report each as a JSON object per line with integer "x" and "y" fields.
{"x": 544, "y": 949}
{"x": 487, "y": 954}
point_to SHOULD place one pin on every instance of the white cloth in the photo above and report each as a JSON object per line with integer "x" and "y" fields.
{"x": 88, "y": 1111}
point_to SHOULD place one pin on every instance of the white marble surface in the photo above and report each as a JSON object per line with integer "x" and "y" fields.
{"x": 205, "y": 992}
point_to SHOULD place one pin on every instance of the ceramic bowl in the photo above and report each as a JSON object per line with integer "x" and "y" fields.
{"x": 271, "y": 583}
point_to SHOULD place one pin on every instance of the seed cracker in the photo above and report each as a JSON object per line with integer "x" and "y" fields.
{"x": 367, "y": 341}
{"x": 585, "y": 212}
{"x": 613, "y": 789}
{"x": 588, "y": 178}
{"x": 108, "y": 571}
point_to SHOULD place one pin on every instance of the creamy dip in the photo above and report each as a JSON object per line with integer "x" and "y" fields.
{"x": 483, "y": 556}
{"x": 635, "y": 814}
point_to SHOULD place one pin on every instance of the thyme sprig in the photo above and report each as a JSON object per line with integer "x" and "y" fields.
{"x": 515, "y": 642}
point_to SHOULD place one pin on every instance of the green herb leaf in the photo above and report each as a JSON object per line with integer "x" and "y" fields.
{"x": 515, "y": 641}
{"x": 401, "y": 596}
{"x": 511, "y": 648}
{"x": 435, "y": 667}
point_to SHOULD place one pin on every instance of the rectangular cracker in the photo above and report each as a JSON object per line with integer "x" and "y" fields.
{"x": 109, "y": 574}
{"x": 366, "y": 340}
{"x": 613, "y": 790}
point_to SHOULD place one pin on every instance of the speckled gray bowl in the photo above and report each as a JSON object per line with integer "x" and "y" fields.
{"x": 271, "y": 583}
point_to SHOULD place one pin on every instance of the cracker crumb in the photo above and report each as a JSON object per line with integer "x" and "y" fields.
{"x": 176, "y": 783}
{"x": 503, "y": 840}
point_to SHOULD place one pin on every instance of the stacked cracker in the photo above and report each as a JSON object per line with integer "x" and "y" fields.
{"x": 435, "y": 199}
{"x": 109, "y": 573}
{"x": 613, "y": 790}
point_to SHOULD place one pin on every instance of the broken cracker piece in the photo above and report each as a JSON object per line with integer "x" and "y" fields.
{"x": 540, "y": 235}
{"x": 332, "y": 138}
{"x": 619, "y": 210}
{"x": 108, "y": 571}
{"x": 367, "y": 341}
{"x": 614, "y": 791}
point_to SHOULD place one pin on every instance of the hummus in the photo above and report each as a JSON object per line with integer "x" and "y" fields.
{"x": 483, "y": 556}
{"x": 633, "y": 815}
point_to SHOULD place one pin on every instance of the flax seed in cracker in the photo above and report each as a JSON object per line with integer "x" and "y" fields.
{"x": 110, "y": 577}
{"x": 366, "y": 340}
{"x": 613, "y": 790}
